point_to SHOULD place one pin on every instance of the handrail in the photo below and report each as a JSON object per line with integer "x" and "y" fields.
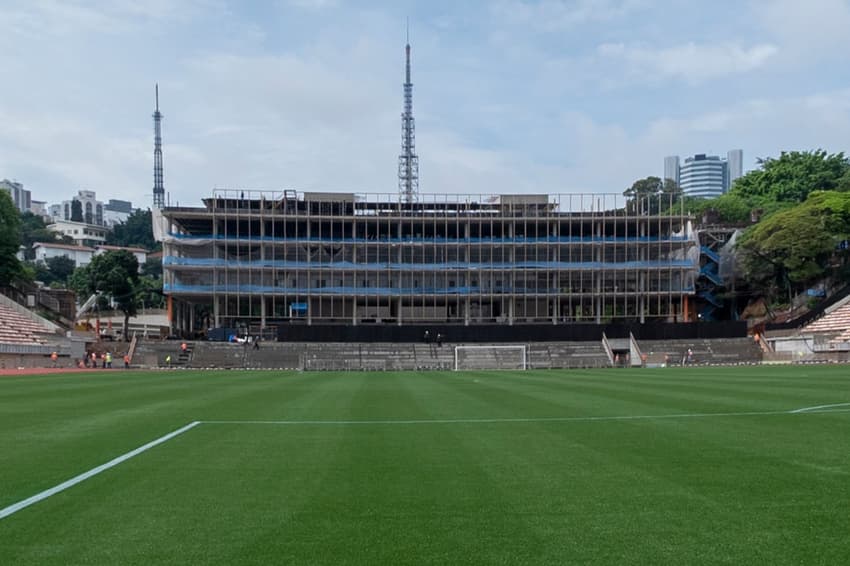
{"x": 636, "y": 354}
{"x": 132, "y": 349}
{"x": 607, "y": 345}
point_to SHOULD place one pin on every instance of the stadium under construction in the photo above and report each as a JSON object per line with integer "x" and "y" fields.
{"x": 257, "y": 260}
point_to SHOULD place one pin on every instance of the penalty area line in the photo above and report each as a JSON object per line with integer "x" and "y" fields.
{"x": 93, "y": 472}
{"x": 519, "y": 420}
{"x": 819, "y": 407}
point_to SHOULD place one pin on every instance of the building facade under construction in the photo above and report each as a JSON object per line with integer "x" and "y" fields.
{"x": 256, "y": 260}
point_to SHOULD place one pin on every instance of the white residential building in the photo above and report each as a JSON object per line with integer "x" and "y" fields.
{"x": 83, "y": 234}
{"x": 46, "y": 250}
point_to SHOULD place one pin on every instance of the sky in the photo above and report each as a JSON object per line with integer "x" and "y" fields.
{"x": 510, "y": 96}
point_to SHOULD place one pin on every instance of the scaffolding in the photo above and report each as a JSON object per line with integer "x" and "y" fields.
{"x": 256, "y": 259}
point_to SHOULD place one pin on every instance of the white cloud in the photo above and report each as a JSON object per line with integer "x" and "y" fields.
{"x": 691, "y": 62}
{"x": 813, "y": 28}
{"x": 559, "y": 15}
{"x": 74, "y": 18}
{"x": 311, "y": 4}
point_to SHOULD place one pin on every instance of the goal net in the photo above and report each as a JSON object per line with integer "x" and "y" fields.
{"x": 490, "y": 357}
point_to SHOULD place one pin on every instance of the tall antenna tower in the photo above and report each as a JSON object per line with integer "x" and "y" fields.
{"x": 408, "y": 161}
{"x": 158, "y": 188}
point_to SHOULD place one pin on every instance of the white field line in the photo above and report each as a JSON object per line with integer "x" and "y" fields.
{"x": 817, "y": 408}
{"x": 93, "y": 472}
{"x": 14, "y": 508}
{"x": 522, "y": 420}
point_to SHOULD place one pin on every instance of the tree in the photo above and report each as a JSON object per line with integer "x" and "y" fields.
{"x": 137, "y": 231}
{"x": 652, "y": 195}
{"x": 10, "y": 240}
{"x": 114, "y": 274}
{"x": 76, "y": 211}
{"x": 795, "y": 247}
{"x": 727, "y": 209}
{"x": 149, "y": 293}
{"x": 33, "y": 229}
{"x": 791, "y": 177}
{"x": 152, "y": 269}
{"x": 61, "y": 268}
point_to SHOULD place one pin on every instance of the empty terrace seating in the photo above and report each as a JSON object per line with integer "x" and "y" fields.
{"x": 555, "y": 355}
{"x": 714, "y": 351}
{"x": 16, "y": 328}
{"x": 835, "y": 322}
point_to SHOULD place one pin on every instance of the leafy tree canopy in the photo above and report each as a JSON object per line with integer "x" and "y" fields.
{"x": 652, "y": 195}
{"x": 10, "y": 239}
{"x": 34, "y": 229}
{"x": 794, "y": 247}
{"x": 60, "y": 267}
{"x": 136, "y": 231}
{"x": 116, "y": 275}
{"x": 792, "y": 176}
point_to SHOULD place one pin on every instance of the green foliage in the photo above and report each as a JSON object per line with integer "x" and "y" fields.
{"x": 791, "y": 177}
{"x": 78, "y": 282}
{"x": 794, "y": 247}
{"x": 149, "y": 293}
{"x": 651, "y": 195}
{"x": 137, "y": 231}
{"x": 60, "y": 268}
{"x": 33, "y": 229}
{"x": 10, "y": 240}
{"x": 76, "y": 211}
{"x": 115, "y": 274}
{"x": 153, "y": 269}
{"x": 730, "y": 208}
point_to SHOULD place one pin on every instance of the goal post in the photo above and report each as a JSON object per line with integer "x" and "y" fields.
{"x": 502, "y": 356}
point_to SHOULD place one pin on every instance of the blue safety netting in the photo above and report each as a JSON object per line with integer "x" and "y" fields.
{"x": 383, "y": 291}
{"x": 460, "y": 266}
{"x": 434, "y": 240}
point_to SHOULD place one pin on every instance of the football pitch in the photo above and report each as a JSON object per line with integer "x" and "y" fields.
{"x": 737, "y": 465}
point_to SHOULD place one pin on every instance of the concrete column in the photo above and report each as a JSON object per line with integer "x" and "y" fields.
{"x": 216, "y": 321}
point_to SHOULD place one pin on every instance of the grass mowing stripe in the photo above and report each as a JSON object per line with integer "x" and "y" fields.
{"x": 810, "y": 411}
{"x": 93, "y": 472}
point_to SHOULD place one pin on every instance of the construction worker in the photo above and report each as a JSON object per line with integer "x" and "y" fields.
{"x": 168, "y": 360}
{"x": 109, "y": 360}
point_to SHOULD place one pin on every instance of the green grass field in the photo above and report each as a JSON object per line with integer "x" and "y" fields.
{"x": 669, "y": 466}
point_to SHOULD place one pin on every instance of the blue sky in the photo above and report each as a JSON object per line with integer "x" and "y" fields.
{"x": 510, "y": 96}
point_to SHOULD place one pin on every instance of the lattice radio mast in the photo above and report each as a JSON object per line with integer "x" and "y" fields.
{"x": 158, "y": 188}
{"x": 408, "y": 161}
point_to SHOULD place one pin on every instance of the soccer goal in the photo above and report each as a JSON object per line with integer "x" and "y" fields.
{"x": 511, "y": 356}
